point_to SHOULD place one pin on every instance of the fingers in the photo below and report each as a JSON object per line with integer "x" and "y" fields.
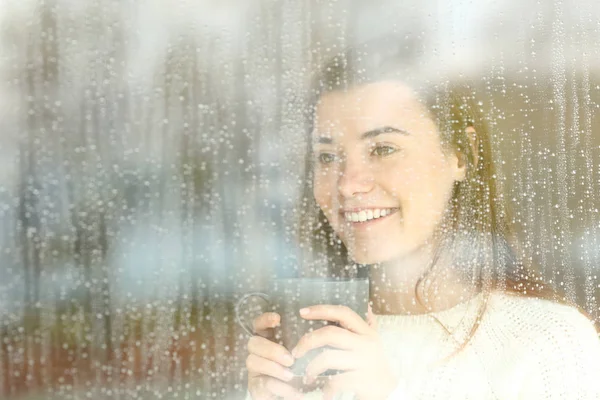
{"x": 266, "y": 364}
{"x": 330, "y": 335}
{"x": 343, "y": 315}
{"x": 265, "y": 387}
{"x": 264, "y": 348}
{"x": 261, "y": 366}
{"x": 263, "y": 324}
{"x": 331, "y": 359}
{"x": 339, "y": 383}
{"x": 371, "y": 319}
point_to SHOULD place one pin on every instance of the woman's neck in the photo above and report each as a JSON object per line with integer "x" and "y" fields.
{"x": 393, "y": 285}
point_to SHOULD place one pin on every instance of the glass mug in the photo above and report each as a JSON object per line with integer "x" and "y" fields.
{"x": 287, "y": 296}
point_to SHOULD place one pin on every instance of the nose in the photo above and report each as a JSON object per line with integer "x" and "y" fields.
{"x": 356, "y": 177}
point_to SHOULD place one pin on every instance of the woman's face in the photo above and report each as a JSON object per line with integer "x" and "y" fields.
{"x": 381, "y": 177}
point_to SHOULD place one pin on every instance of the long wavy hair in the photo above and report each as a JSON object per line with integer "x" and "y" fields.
{"x": 475, "y": 231}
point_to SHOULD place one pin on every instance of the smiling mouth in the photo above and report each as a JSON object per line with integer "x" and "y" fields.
{"x": 365, "y": 216}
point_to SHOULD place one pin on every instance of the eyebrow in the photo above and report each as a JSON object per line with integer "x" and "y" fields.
{"x": 369, "y": 134}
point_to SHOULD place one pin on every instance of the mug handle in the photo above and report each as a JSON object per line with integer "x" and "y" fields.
{"x": 264, "y": 296}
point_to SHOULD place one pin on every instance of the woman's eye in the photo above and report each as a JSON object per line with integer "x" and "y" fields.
{"x": 383, "y": 150}
{"x": 326, "y": 158}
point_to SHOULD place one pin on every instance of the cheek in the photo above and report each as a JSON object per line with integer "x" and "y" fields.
{"x": 435, "y": 186}
{"x": 411, "y": 178}
{"x": 422, "y": 186}
{"x": 432, "y": 170}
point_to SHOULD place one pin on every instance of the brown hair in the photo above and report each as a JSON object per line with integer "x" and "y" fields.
{"x": 477, "y": 215}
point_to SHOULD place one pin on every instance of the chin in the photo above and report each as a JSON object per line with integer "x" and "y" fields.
{"x": 375, "y": 257}
{"x": 383, "y": 251}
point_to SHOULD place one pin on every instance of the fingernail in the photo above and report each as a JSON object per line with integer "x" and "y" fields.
{"x": 288, "y": 359}
{"x": 304, "y": 311}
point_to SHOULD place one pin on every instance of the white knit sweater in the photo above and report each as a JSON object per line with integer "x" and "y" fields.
{"x": 524, "y": 348}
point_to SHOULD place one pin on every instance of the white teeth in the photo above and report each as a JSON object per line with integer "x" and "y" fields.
{"x": 366, "y": 215}
{"x": 362, "y": 216}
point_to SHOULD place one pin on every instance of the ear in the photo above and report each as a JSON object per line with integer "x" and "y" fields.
{"x": 461, "y": 162}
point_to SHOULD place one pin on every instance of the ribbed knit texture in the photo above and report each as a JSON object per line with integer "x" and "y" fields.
{"x": 524, "y": 348}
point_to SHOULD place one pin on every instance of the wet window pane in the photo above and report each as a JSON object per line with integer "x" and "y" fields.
{"x": 153, "y": 170}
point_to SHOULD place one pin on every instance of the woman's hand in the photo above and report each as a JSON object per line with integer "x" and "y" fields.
{"x": 361, "y": 354}
{"x": 267, "y": 362}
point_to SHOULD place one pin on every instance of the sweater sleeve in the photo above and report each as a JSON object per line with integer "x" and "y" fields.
{"x": 400, "y": 392}
{"x": 564, "y": 361}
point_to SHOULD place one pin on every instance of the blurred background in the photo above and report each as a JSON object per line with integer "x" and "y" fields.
{"x": 151, "y": 157}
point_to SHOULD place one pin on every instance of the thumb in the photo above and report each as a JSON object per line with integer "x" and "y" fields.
{"x": 371, "y": 319}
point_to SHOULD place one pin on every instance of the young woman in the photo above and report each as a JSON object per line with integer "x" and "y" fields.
{"x": 400, "y": 177}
